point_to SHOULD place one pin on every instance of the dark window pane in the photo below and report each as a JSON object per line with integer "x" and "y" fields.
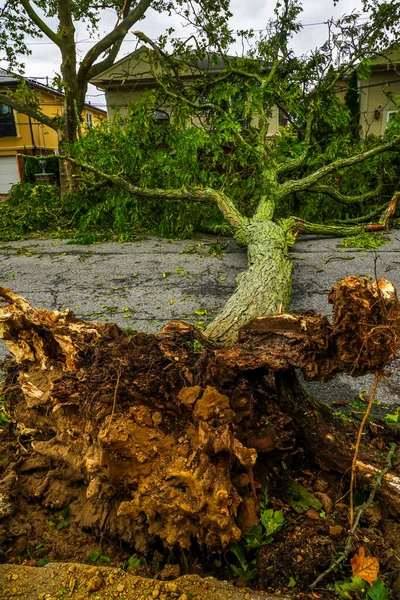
{"x": 7, "y": 123}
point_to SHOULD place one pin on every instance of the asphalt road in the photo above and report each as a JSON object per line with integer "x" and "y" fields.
{"x": 145, "y": 284}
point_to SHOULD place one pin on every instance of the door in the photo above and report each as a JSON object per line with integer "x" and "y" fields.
{"x": 9, "y": 173}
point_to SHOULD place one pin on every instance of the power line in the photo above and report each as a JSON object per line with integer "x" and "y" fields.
{"x": 172, "y": 37}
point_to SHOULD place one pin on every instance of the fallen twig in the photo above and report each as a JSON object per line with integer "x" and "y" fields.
{"x": 360, "y": 512}
{"x": 360, "y": 432}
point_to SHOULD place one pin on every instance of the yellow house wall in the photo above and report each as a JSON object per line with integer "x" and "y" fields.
{"x": 373, "y": 98}
{"x": 44, "y": 138}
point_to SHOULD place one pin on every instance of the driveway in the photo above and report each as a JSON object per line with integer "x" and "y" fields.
{"x": 145, "y": 284}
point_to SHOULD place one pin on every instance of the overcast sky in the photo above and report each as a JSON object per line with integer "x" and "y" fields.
{"x": 45, "y": 58}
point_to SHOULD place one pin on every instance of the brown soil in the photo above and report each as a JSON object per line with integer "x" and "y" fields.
{"x": 81, "y": 582}
{"x": 154, "y": 449}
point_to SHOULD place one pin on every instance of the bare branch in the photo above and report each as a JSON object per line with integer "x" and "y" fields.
{"x": 25, "y": 109}
{"x": 297, "y": 162}
{"x": 39, "y": 22}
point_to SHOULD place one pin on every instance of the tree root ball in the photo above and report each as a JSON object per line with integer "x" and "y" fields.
{"x": 147, "y": 436}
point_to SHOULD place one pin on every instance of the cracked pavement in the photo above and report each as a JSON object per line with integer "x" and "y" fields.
{"x": 143, "y": 285}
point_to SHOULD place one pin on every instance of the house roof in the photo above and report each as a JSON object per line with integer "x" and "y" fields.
{"x": 387, "y": 60}
{"x": 10, "y": 80}
{"x": 126, "y": 69}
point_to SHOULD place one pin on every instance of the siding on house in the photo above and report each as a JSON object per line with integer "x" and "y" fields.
{"x": 29, "y": 135}
{"x": 126, "y": 81}
{"x": 375, "y": 106}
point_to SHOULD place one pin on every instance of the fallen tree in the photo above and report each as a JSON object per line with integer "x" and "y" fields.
{"x": 170, "y": 438}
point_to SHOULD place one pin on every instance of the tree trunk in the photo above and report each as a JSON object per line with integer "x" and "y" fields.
{"x": 69, "y": 172}
{"x": 265, "y": 288}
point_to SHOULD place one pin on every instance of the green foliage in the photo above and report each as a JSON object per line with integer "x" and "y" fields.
{"x": 364, "y": 240}
{"x": 259, "y": 535}
{"x": 271, "y": 521}
{"x": 345, "y": 589}
{"x": 42, "y": 562}
{"x": 60, "y": 521}
{"x": 35, "y": 209}
{"x": 357, "y": 588}
{"x": 246, "y": 570}
{"x": 393, "y": 418}
{"x": 4, "y": 418}
{"x": 133, "y": 562}
{"x": 97, "y": 557}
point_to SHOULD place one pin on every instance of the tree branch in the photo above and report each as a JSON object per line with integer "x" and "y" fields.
{"x": 297, "y": 162}
{"x": 235, "y": 219}
{"x": 25, "y": 109}
{"x": 39, "y": 22}
{"x": 301, "y": 226}
{"x": 308, "y": 182}
{"x": 115, "y": 36}
{"x": 342, "y": 198}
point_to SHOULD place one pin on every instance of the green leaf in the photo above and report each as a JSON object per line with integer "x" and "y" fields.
{"x": 239, "y": 552}
{"x": 291, "y": 583}
{"x": 42, "y": 562}
{"x": 378, "y": 591}
{"x": 93, "y": 557}
{"x": 355, "y": 584}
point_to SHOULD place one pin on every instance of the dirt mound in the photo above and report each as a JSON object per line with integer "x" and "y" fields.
{"x": 145, "y": 450}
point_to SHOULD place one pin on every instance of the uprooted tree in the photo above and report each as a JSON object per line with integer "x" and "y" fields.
{"x": 171, "y": 436}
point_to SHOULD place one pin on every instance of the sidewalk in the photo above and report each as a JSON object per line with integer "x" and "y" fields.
{"x": 146, "y": 284}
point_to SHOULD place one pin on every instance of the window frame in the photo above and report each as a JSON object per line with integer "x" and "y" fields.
{"x": 10, "y": 124}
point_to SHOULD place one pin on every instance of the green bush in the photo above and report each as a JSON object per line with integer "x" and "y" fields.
{"x": 33, "y": 210}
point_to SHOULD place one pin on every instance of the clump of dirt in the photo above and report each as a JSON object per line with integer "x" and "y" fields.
{"x": 150, "y": 452}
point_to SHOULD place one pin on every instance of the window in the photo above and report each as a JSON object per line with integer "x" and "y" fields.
{"x": 7, "y": 122}
{"x": 390, "y": 115}
{"x": 89, "y": 119}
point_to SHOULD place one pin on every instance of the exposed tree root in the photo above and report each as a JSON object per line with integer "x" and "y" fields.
{"x": 146, "y": 436}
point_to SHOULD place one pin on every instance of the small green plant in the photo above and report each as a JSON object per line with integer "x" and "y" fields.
{"x": 4, "y": 418}
{"x": 364, "y": 240}
{"x": 133, "y": 562}
{"x": 42, "y": 562}
{"x": 97, "y": 557}
{"x": 60, "y": 521}
{"x": 393, "y": 418}
{"x": 197, "y": 346}
{"x": 200, "y": 311}
{"x": 246, "y": 570}
{"x": 271, "y": 521}
{"x": 357, "y": 588}
{"x": 259, "y": 535}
